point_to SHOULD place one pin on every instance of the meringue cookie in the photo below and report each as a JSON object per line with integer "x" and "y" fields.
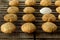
{"x": 45, "y": 10}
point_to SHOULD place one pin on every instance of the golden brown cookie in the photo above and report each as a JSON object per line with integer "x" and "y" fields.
{"x": 29, "y": 10}
{"x": 45, "y": 2}
{"x": 28, "y": 17}
{"x": 58, "y": 10}
{"x": 14, "y": 3}
{"x": 28, "y": 27}
{"x": 10, "y": 17}
{"x": 8, "y": 27}
{"x": 49, "y": 17}
{"x": 13, "y": 10}
{"x": 59, "y": 17}
{"x": 49, "y": 27}
{"x": 30, "y": 2}
{"x": 57, "y": 3}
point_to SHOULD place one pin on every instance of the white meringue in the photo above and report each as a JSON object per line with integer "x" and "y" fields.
{"x": 45, "y": 10}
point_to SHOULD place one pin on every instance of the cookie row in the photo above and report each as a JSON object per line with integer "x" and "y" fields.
{"x": 33, "y": 3}
{"x": 27, "y": 10}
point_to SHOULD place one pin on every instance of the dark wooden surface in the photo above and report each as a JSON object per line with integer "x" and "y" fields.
{"x": 39, "y": 34}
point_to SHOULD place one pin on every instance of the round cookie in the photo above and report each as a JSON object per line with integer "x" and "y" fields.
{"x": 29, "y": 10}
{"x": 10, "y": 17}
{"x": 49, "y": 27}
{"x": 13, "y": 10}
{"x": 45, "y": 2}
{"x": 28, "y": 17}
{"x": 59, "y": 17}
{"x": 49, "y": 17}
{"x": 30, "y": 2}
{"x": 28, "y": 27}
{"x": 8, "y": 28}
{"x": 58, "y": 10}
{"x": 57, "y": 3}
{"x": 45, "y": 10}
{"x": 14, "y": 2}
